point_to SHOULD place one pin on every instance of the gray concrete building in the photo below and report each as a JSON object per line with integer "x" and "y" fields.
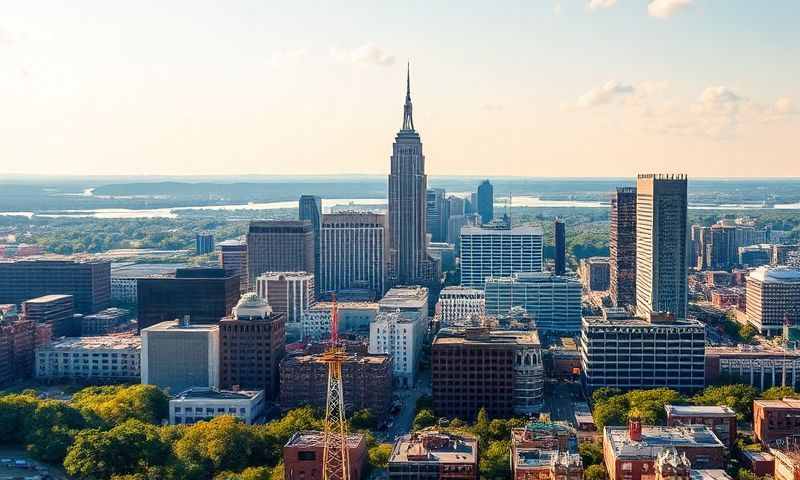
{"x": 353, "y": 252}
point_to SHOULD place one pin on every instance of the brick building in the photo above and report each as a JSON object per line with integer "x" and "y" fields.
{"x": 721, "y": 420}
{"x": 541, "y": 451}
{"x": 476, "y": 368}
{"x": 787, "y": 462}
{"x": 302, "y": 456}
{"x": 366, "y": 379}
{"x": 251, "y": 347}
{"x": 19, "y": 339}
{"x": 776, "y": 419}
{"x": 56, "y": 310}
{"x": 630, "y": 452}
{"x": 433, "y": 455}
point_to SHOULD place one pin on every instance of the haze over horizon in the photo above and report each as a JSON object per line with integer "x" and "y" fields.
{"x": 564, "y": 89}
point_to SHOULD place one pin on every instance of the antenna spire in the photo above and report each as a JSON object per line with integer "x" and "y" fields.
{"x": 408, "y": 120}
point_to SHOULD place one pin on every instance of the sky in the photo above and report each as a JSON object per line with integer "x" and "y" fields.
{"x": 530, "y": 88}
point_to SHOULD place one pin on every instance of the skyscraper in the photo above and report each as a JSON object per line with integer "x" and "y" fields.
{"x": 560, "y": 244}
{"x": 280, "y": 246}
{"x": 204, "y": 243}
{"x": 486, "y": 201}
{"x": 311, "y": 210}
{"x": 661, "y": 242}
{"x": 436, "y": 214}
{"x": 407, "y": 188}
{"x": 498, "y": 251}
{"x": 622, "y": 247}
{"x": 352, "y": 252}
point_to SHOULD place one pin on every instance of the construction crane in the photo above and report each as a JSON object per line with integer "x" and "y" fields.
{"x": 335, "y": 457}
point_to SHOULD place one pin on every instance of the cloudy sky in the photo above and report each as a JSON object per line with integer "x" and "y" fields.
{"x": 533, "y": 87}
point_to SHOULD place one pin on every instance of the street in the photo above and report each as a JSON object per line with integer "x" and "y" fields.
{"x": 403, "y": 420}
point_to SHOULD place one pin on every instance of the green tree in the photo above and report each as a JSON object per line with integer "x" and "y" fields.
{"x": 223, "y": 443}
{"x": 424, "y": 419}
{"x": 249, "y": 473}
{"x": 270, "y": 438}
{"x": 591, "y": 453}
{"x": 424, "y": 402}
{"x": 379, "y": 456}
{"x": 494, "y": 462}
{"x": 14, "y": 410}
{"x": 747, "y": 332}
{"x": 112, "y": 405}
{"x": 605, "y": 393}
{"x": 363, "y": 420}
{"x": 278, "y": 472}
{"x": 595, "y": 472}
{"x": 778, "y": 393}
{"x": 739, "y": 397}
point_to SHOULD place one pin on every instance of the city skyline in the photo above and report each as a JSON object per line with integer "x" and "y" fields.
{"x": 702, "y": 87}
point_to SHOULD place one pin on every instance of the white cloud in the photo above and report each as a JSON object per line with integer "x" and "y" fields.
{"x": 285, "y": 57}
{"x": 666, "y": 8}
{"x": 604, "y": 94}
{"x": 719, "y": 100}
{"x": 557, "y": 8}
{"x": 784, "y": 106}
{"x": 600, "y": 4}
{"x": 369, "y": 54}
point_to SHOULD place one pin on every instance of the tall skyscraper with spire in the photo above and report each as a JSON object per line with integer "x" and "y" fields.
{"x": 409, "y": 260}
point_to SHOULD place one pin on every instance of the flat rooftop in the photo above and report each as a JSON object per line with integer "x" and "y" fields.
{"x": 515, "y": 230}
{"x": 400, "y": 297}
{"x": 213, "y": 394}
{"x": 315, "y": 439}
{"x": 48, "y": 298}
{"x": 639, "y": 322}
{"x": 176, "y": 326}
{"x": 119, "y": 341}
{"x": 374, "y": 359}
{"x": 140, "y": 270}
{"x": 711, "y": 474}
{"x": 345, "y": 306}
{"x": 656, "y": 438}
{"x": 435, "y": 447}
{"x": 786, "y": 403}
{"x": 750, "y": 351}
{"x": 699, "y": 411}
{"x": 450, "y": 336}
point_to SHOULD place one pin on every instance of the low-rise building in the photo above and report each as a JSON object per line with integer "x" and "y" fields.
{"x": 760, "y": 463}
{"x": 457, "y": 305}
{"x": 106, "y": 358}
{"x": 302, "y": 455}
{"x": 787, "y": 462}
{"x": 761, "y": 366}
{"x": 565, "y": 358}
{"x": 198, "y": 404}
{"x": 106, "y": 321}
{"x": 476, "y": 368}
{"x": 630, "y": 452}
{"x": 434, "y": 455}
{"x": 353, "y": 317}
{"x": 776, "y": 419}
{"x": 721, "y": 419}
{"x": 19, "y": 339}
{"x": 366, "y": 380}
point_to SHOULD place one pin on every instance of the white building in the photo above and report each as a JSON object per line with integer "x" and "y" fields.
{"x": 498, "y": 251}
{"x": 178, "y": 355}
{"x": 196, "y": 404}
{"x": 354, "y": 317}
{"x": 352, "y": 252}
{"x": 457, "y": 304}
{"x": 553, "y": 301}
{"x": 107, "y": 357}
{"x": 773, "y": 296}
{"x": 406, "y": 299}
{"x": 290, "y": 293}
{"x": 400, "y": 335}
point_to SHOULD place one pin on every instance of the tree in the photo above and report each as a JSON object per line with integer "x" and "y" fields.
{"x": 424, "y": 402}
{"x": 270, "y": 438}
{"x": 494, "y": 462}
{"x": 591, "y": 453}
{"x": 278, "y": 472}
{"x": 747, "y": 332}
{"x": 595, "y": 472}
{"x": 14, "y": 410}
{"x": 778, "y": 393}
{"x": 379, "y": 456}
{"x": 249, "y": 473}
{"x": 223, "y": 443}
{"x": 648, "y": 405}
{"x": 363, "y": 420}
{"x": 739, "y": 397}
{"x": 113, "y": 405}
{"x": 424, "y": 419}
{"x": 605, "y": 393}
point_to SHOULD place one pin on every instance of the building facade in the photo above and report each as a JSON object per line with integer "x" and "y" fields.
{"x": 178, "y": 355}
{"x": 595, "y": 274}
{"x": 434, "y": 455}
{"x": 88, "y": 281}
{"x": 476, "y": 368}
{"x": 289, "y": 293}
{"x": 498, "y": 251}
{"x": 560, "y": 246}
{"x": 776, "y": 419}
{"x": 204, "y": 294}
{"x": 19, "y": 339}
{"x": 354, "y": 318}
{"x": 721, "y": 420}
{"x": 280, "y": 246}
{"x": 458, "y": 306}
{"x": 757, "y": 365}
{"x": 436, "y": 214}
{"x": 203, "y": 404}
{"x": 105, "y": 321}
{"x": 303, "y": 454}
{"x": 554, "y": 302}
{"x": 233, "y": 258}
{"x": 251, "y": 347}
{"x": 661, "y": 242}
{"x": 204, "y": 243}
{"x": 399, "y": 334}
{"x": 773, "y": 298}
{"x": 56, "y": 310}
{"x": 310, "y": 208}
{"x": 622, "y": 247}
{"x": 632, "y": 353}
{"x": 105, "y": 358}
{"x": 485, "y": 198}
{"x": 353, "y": 252}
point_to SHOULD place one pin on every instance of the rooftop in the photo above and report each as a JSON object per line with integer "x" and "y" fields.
{"x": 710, "y": 475}
{"x": 699, "y": 411}
{"x": 533, "y": 277}
{"x": 516, "y": 230}
{"x": 285, "y": 275}
{"x": 411, "y": 296}
{"x": 200, "y": 393}
{"x": 484, "y": 336}
{"x": 179, "y": 326}
{"x": 345, "y": 306}
{"x": 49, "y": 298}
{"x": 374, "y": 359}
{"x": 111, "y": 313}
{"x": 656, "y": 438}
{"x": 750, "y": 351}
{"x": 767, "y": 274}
{"x": 787, "y": 403}
{"x": 313, "y": 438}
{"x": 593, "y": 321}
{"x": 434, "y": 446}
{"x": 139, "y": 270}
{"x": 119, "y": 341}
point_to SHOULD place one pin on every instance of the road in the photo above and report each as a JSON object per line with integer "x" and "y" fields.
{"x": 558, "y": 398}
{"x": 403, "y": 420}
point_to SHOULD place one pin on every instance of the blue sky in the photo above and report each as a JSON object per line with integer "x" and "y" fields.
{"x": 546, "y": 88}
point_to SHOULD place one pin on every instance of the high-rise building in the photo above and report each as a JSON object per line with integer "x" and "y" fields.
{"x": 622, "y": 247}
{"x": 56, "y": 310}
{"x": 204, "y": 243}
{"x": 88, "y": 281}
{"x": 773, "y": 298}
{"x": 498, "y": 251}
{"x": 595, "y": 273}
{"x": 233, "y": 258}
{"x": 436, "y": 214}
{"x": 399, "y": 334}
{"x": 352, "y": 252}
{"x": 553, "y": 301}
{"x": 755, "y": 255}
{"x": 251, "y": 346}
{"x": 289, "y": 293}
{"x": 454, "y": 225}
{"x": 280, "y": 246}
{"x": 204, "y": 294}
{"x": 485, "y": 199}
{"x": 178, "y": 355}
{"x": 476, "y": 368}
{"x": 560, "y": 245}
{"x": 458, "y": 306}
{"x": 310, "y": 209}
{"x": 409, "y": 261}
{"x": 661, "y": 241}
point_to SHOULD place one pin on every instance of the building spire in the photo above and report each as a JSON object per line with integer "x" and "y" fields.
{"x": 408, "y": 120}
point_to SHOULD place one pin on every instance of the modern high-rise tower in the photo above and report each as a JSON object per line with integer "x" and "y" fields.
{"x": 622, "y": 247}
{"x": 486, "y": 201}
{"x": 560, "y": 244}
{"x": 661, "y": 242}
{"x": 310, "y": 208}
{"x": 409, "y": 261}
